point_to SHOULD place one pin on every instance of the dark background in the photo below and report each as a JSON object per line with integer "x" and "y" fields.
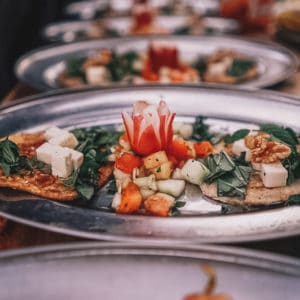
{"x": 20, "y": 24}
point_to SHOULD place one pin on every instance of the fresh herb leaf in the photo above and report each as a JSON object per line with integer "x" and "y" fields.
{"x": 179, "y": 204}
{"x": 240, "y": 67}
{"x": 201, "y": 131}
{"x": 200, "y": 65}
{"x": 86, "y": 191}
{"x": 294, "y": 200}
{"x": 237, "y": 135}
{"x": 112, "y": 187}
{"x": 94, "y": 143}
{"x": 285, "y": 135}
{"x": 231, "y": 177}
{"x": 74, "y": 67}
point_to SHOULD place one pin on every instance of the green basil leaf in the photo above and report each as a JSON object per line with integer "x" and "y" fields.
{"x": 86, "y": 191}
{"x": 237, "y": 135}
{"x": 294, "y": 200}
{"x": 240, "y": 67}
{"x": 179, "y": 204}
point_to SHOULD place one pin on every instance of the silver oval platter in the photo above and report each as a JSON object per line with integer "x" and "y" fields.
{"x": 70, "y": 31}
{"x": 114, "y": 271}
{"x": 42, "y": 67}
{"x": 226, "y": 109}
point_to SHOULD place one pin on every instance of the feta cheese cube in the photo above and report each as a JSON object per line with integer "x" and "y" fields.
{"x": 77, "y": 158}
{"x": 273, "y": 175}
{"x": 53, "y": 132}
{"x": 97, "y": 75}
{"x": 61, "y": 162}
{"x": 44, "y": 152}
{"x": 239, "y": 146}
{"x": 64, "y": 140}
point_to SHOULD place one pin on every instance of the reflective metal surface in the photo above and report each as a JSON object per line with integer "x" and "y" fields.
{"x": 40, "y": 68}
{"x": 226, "y": 108}
{"x": 70, "y": 31}
{"x": 124, "y": 271}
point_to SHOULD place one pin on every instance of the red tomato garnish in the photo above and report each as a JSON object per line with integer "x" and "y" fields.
{"x": 203, "y": 149}
{"x": 127, "y": 162}
{"x": 180, "y": 150}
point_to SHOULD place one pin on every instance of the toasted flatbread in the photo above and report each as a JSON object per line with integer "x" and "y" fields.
{"x": 38, "y": 183}
{"x": 256, "y": 193}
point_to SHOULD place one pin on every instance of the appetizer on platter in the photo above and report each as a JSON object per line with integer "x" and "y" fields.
{"x": 150, "y": 165}
{"x": 161, "y": 63}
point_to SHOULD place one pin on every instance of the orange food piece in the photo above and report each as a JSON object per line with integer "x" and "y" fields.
{"x": 158, "y": 206}
{"x": 180, "y": 150}
{"x": 127, "y": 162}
{"x": 203, "y": 149}
{"x": 131, "y": 199}
{"x": 105, "y": 172}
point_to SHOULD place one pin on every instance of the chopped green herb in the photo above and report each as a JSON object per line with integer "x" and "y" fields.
{"x": 201, "y": 131}
{"x": 294, "y": 200}
{"x": 237, "y": 135}
{"x": 230, "y": 177}
{"x": 94, "y": 143}
{"x": 200, "y": 65}
{"x": 74, "y": 67}
{"x": 285, "y": 135}
{"x": 177, "y": 204}
{"x": 240, "y": 67}
{"x": 112, "y": 187}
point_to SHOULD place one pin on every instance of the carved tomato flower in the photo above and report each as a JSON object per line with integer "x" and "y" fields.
{"x": 149, "y": 128}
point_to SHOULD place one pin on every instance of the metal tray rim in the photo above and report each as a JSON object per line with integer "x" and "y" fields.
{"x": 25, "y": 58}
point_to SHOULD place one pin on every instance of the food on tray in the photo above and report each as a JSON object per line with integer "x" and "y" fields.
{"x": 151, "y": 164}
{"x": 208, "y": 290}
{"x": 161, "y": 63}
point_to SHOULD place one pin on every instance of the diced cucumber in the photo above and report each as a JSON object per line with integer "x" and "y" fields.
{"x": 171, "y": 187}
{"x": 194, "y": 171}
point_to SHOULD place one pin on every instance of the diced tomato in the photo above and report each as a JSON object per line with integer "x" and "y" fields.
{"x": 124, "y": 137}
{"x": 180, "y": 150}
{"x": 127, "y": 162}
{"x": 147, "y": 72}
{"x": 203, "y": 149}
{"x": 131, "y": 199}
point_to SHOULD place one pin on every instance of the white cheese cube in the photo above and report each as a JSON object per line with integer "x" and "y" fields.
{"x": 221, "y": 67}
{"x": 77, "y": 158}
{"x": 97, "y": 75}
{"x": 182, "y": 129}
{"x": 44, "y": 152}
{"x": 61, "y": 163}
{"x": 273, "y": 175}
{"x": 65, "y": 140}
{"x": 53, "y": 132}
{"x": 239, "y": 146}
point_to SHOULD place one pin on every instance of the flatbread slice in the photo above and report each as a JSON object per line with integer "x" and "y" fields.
{"x": 256, "y": 193}
{"x": 38, "y": 183}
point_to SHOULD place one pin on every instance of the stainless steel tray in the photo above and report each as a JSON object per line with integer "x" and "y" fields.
{"x": 40, "y": 68}
{"x": 226, "y": 109}
{"x": 68, "y": 31}
{"x": 124, "y": 271}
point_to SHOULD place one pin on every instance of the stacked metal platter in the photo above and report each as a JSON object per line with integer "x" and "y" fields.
{"x": 115, "y": 271}
{"x": 204, "y": 223}
{"x": 41, "y": 68}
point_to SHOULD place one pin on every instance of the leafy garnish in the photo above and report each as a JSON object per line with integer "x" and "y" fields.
{"x": 294, "y": 200}
{"x": 112, "y": 187}
{"x": 200, "y": 65}
{"x": 177, "y": 204}
{"x": 95, "y": 145}
{"x": 285, "y": 135}
{"x": 121, "y": 65}
{"x": 201, "y": 131}
{"x": 240, "y": 67}
{"x": 237, "y": 135}
{"x": 74, "y": 67}
{"x": 231, "y": 177}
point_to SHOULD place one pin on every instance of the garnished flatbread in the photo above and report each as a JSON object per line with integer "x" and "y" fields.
{"x": 256, "y": 193}
{"x": 38, "y": 183}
